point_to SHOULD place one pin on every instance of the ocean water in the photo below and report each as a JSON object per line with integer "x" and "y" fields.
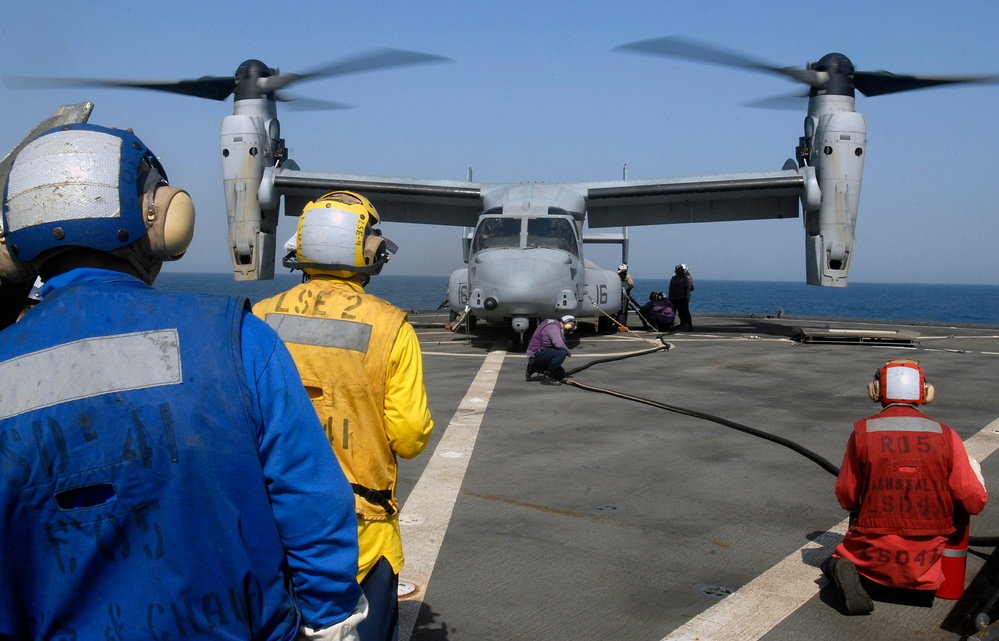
{"x": 948, "y": 304}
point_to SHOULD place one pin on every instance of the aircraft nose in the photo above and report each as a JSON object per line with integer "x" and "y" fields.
{"x": 522, "y": 284}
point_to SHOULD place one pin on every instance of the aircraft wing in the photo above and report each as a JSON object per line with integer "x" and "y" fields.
{"x": 609, "y": 204}
{"x": 406, "y": 200}
{"x": 698, "y": 199}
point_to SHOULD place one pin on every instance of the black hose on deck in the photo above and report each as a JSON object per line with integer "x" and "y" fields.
{"x": 611, "y": 359}
{"x": 975, "y": 541}
{"x": 823, "y": 463}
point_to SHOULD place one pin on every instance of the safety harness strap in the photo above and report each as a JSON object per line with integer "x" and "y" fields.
{"x": 381, "y": 498}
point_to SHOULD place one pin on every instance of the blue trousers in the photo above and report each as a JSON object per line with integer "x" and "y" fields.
{"x": 381, "y": 588}
{"x": 550, "y": 359}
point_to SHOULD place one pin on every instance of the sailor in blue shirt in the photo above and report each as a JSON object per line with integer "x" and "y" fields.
{"x": 162, "y": 471}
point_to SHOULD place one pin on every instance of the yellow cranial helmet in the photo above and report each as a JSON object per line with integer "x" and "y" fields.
{"x": 336, "y": 235}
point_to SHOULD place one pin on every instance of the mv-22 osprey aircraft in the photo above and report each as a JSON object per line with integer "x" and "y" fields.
{"x": 523, "y": 242}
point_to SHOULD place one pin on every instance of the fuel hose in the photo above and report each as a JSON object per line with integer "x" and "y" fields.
{"x": 976, "y": 541}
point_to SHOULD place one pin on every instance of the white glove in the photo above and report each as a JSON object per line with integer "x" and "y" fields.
{"x": 346, "y": 630}
{"x": 976, "y": 466}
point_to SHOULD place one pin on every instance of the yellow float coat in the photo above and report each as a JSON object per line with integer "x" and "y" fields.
{"x": 360, "y": 362}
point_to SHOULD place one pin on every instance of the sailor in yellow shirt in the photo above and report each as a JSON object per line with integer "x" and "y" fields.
{"x": 360, "y": 362}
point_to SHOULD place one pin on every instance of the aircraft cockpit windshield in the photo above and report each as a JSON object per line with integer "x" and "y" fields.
{"x": 544, "y": 232}
{"x": 497, "y": 232}
{"x": 551, "y": 233}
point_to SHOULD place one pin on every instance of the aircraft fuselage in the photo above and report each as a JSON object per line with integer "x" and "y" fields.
{"x": 525, "y": 263}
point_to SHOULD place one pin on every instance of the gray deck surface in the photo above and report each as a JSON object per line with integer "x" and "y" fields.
{"x": 541, "y": 512}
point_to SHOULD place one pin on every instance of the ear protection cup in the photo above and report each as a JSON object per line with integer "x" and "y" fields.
{"x": 169, "y": 221}
{"x": 168, "y": 213}
{"x": 874, "y": 389}
{"x": 928, "y": 393}
{"x": 374, "y": 248}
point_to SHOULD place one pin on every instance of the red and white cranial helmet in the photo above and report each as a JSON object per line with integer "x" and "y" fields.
{"x": 900, "y": 381}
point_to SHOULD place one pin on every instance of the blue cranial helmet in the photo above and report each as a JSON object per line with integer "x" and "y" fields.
{"x": 77, "y": 185}
{"x": 89, "y": 186}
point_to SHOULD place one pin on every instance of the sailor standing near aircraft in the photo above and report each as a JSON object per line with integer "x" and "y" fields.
{"x": 903, "y": 478}
{"x": 360, "y": 361}
{"x": 165, "y": 474}
{"x": 627, "y": 282}
{"x": 681, "y": 286}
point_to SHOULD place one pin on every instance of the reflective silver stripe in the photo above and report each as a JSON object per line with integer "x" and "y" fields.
{"x": 90, "y": 367}
{"x": 61, "y": 179}
{"x": 953, "y": 552}
{"x": 321, "y": 332}
{"x": 903, "y": 424}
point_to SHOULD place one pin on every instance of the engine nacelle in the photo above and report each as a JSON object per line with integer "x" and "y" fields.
{"x": 247, "y": 147}
{"x": 837, "y": 141}
{"x": 602, "y": 293}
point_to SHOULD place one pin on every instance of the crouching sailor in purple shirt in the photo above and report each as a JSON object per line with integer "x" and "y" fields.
{"x": 547, "y": 350}
{"x": 164, "y": 474}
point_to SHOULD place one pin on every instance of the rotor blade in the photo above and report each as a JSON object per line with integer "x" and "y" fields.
{"x": 213, "y": 88}
{"x": 296, "y": 103}
{"x": 879, "y": 83}
{"x": 676, "y": 47}
{"x": 370, "y": 61}
{"x": 790, "y": 101}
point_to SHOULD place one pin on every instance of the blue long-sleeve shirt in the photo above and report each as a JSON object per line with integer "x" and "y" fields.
{"x": 162, "y": 471}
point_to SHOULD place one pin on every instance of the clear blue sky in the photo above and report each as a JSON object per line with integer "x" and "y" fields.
{"x": 536, "y": 94}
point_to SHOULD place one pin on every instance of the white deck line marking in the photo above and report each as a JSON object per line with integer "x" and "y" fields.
{"x": 757, "y": 607}
{"x": 434, "y": 495}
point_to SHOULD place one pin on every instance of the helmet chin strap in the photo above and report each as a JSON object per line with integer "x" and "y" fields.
{"x": 291, "y": 262}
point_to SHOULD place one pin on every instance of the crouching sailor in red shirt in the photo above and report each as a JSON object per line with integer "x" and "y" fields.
{"x": 903, "y": 477}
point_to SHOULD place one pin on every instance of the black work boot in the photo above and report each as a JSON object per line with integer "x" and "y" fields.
{"x": 548, "y": 379}
{"x": 846, "y": 579}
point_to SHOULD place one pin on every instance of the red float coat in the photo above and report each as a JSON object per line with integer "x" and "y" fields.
{"x": 902, "y": 476}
